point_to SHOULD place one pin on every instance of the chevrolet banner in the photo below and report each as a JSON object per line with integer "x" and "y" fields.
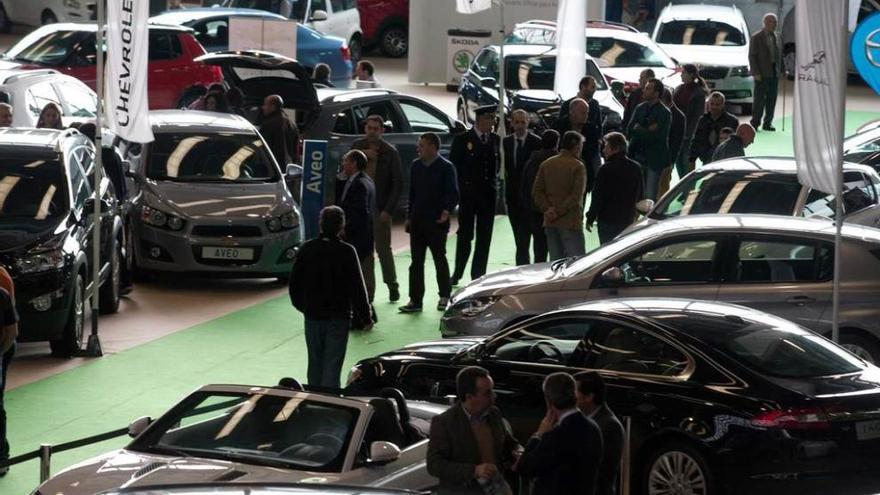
{"x": 126, "y": 100}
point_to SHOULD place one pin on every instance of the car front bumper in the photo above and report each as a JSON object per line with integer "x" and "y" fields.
{"x": 43, "y": 303}
{"x": 737, "y": 90}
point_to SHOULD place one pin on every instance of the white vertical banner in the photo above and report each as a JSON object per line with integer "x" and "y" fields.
{"x": 571, "y": 46}
{"x": 472, "y": 6}
{"x": 819, "y": 92}
{"x": 127, "y": 102}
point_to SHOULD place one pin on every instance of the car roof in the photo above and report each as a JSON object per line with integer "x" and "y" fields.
{"x": 199, "y": 121}
{"x": 701, "y": 11}
{"x": 768, "y": 164}
{"x": 11, "y": 76}
{"x": 183, "y": 16}
{"x": 91, "y": 27}
{"x": 14, "y": 140}
{"x": 336, "y": 95}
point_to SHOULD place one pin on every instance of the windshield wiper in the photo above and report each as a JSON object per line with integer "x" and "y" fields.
{"x": 165, "y": 450}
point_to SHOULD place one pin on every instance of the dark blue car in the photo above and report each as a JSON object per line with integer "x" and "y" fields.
{"x": 211, "y": 26}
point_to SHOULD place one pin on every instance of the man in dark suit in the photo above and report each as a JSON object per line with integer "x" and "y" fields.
{"x": 357, "y": 198}
{"x": 475, "y": 155}
{"x": 590, "y": 396}
{"x": 565, "y": 453}
{"x": 471, "y": 443}
{"x": 619, "y": 186}
{"x": 518, "y": 147}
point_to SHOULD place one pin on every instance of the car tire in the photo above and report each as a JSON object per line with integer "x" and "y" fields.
{"x": 355, "y": 48}
{"x": 72, "y": 336}
{"x": 111, "y": 288}
{"x": 5, "y": 24}
{"x": 48, "y": 17}
{"x": 394, "y": 41}
{"x": 677, "y": 467}
{"x": 865, "y": 348}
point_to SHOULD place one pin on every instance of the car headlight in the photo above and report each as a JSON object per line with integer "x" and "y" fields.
{"x": 741, "y": 71}
{"x": 158, "y": 218}
{"x": 287, "y": 221}
{"x": 40, "y": 262}
{"x": 71, "y": 4}
{"x": 472, "y": 307}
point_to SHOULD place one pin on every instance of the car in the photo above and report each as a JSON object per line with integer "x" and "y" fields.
{"x": 385, "y": 24}
{"x": 864, "y": 145}
{"x": 529, "y": 82}
{"x": 254, "y": 434}
{"x": 41, "y": 12}
{"x": 211, "y": 27}
{"x": 209, "y": 199}
{"x": 719, "y": 398}
{"x": 70, "y": 49}
{"x": 623, "y": 50}
{"x": 46, "y": 243}
{"x": 766, "y": 185}
{"x": 30, "y": 90}
{"x": 715, "y": 38}
{"x": 338, "y": 18}
{"x": 277, "y": 488}
{"x": 781, "y": 265}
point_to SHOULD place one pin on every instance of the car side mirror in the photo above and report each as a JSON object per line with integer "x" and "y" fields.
{"x": 383, "y": 452}
{"x": 458, "y": 127}
{"x": 138, "y": 426}
{"x": 294, "y": 171}
{"x": 613, "y": 276}
{"x": 645, "y": 206}
{"x": 489, "y": 82}
{"x": 319, "y": 15}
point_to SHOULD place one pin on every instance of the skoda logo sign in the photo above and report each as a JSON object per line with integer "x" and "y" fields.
{"x": 462, "y": 60}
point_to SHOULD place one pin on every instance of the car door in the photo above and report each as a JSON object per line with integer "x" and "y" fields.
{"x": 166, "y": 66}
{"x": 682, "y": 266}
{"x": 345, "y": 18}
{"x": 784, "y": 275}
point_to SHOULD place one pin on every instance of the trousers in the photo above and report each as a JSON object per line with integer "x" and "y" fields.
{"x": 563, "y": 243}
{"x": 367, "y": 268}
{"x": 522, "y": 231}
{"x": 5, "y": 361}
{"x": 765, "y": 101}
{"x": 326, "y": 342}
{"x": 478, "y": 212}
{"x": 423, "y": 237}
{"x": 382, "y": 236}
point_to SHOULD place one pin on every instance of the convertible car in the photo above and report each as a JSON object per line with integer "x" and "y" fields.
{"x": 246, "y": 434}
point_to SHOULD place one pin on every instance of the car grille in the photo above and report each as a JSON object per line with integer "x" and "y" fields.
{"x": 709, "y": 72}
{"x": 226, "y": 231}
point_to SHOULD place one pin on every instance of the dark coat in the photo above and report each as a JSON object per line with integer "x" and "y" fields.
{"x": 592, "y": 132}
{"x": 432, "y": 189}
{"x": 619, "y": 185}
{"x": 707, "y": 133}
{"x": 677, "y": 132}
{"x": 476, "y": 164}
{"x": 326, "y": 282}
{"x": 650, "y": 147}
{"x": 388, "y": 176}
{"x": 530, "y": 172}
{"x": 631, "y": 103}
{"x": 612, "y": 446}
{"x": 693, "y": 108}
{"x": 281, "y": 136}
{"x": 566, "y": 459}
{"x": 359, "y": 205}
{"x": 764, "y": 61}
{"x": 513, "y": 171}
{"x": 732, "y": 148}
{"x": 453, "y": 452}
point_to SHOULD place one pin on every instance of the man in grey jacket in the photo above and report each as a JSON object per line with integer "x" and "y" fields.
{"x": 736, "y": 145}
{"x": 764, "y": 60}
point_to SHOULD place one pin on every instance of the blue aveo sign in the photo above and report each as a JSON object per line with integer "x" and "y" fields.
{"x": 314, "y": 167}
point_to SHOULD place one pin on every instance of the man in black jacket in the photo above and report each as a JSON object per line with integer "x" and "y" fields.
{"x": 619, "y": 186}
{"x": 280, "y": 133}
{"x": 549, "y": 149}
{"x": 708, "y": 133}
{"x": 565, "y": 453}
{"x": 590, "y": 395}
{"x": 326, "y": 285}
{"x": 585, "y": 117}
{"x": 518, "y": 147}
{"x": 357, "y": 198}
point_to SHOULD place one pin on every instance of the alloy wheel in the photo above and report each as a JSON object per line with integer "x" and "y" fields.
{"x": 394, "y": 42}
{"x": 676, "y": 473}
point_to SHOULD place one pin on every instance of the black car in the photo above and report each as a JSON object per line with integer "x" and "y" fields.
{"x": 722, "y": 398}
{"x": 46, "y": 223}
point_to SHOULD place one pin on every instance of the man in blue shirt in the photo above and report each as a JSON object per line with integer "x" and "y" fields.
{"x": 433, "y": 194}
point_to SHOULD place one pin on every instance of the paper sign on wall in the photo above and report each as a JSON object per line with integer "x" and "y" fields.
{"x": 269, "y": 35}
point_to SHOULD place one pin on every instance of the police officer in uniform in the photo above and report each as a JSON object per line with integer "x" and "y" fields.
{"x": 475, "y": 155}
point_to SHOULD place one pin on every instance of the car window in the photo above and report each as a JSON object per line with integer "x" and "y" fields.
{"x": 859, "y": 192}
{"x": 345, "y": 123}
{"x": 214, "y": 33}
{"x": 45, "y": 46}
{"x": 700, "y": 32}
{"x": 623, "y": 53}
{"x": 78, "y": 180}
{"x": 422, "y": 118}
{"x": 689, "y": 261}
{"x": 532, "y": 35}
{"x": 626, "y": 349}
{"x": 861, "y": 146}
{"x": 349, "y": 4}
{"x": 558, "y": 341}
{"x": 763, "y": 260}
{"x": 319, "y": 5}
{"x": 486, "y": 64}
{"x": 34, "y": 190}
{"x": 164, "y": 46}
{"x": 338, "y": 5}
{"x": 382, "y": 108}
{"x": 80, "y": 102}
{"x": 39, "y": 95}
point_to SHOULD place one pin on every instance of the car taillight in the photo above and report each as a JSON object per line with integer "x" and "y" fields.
{"x": 799, "y": 418}
{"x": 346, "y": 53}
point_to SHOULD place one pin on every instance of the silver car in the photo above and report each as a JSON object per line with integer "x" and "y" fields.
{"x": 778, "y": 265}
{"x": 246, "y": 434}
{"x": 209, "y": 198}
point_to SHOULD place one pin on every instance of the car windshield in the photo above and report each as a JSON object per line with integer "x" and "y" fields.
{"x": 208, "y": 157}
{"x": 45, "y": 47}
{"x": 538, "y": 72}
{"x": 700, "y": 32}
{"x": 861, "y": 146}
{"x": 255, "y": 428}
{"x": 32, "y": 190}
{"x": 731, "y": 192}
{"x": 623, "y": 53}
{"x": 607, "y": 251}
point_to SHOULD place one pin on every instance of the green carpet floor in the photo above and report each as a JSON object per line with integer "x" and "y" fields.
{"x": 257, "y": 345}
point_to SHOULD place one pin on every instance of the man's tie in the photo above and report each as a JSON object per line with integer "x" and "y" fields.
{"x": 517, "y": 151}
{"x": 483, "y": 138}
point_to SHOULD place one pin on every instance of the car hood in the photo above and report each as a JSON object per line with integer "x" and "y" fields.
{"x": 135, "y": 469}
{"x": 18, "y": 236}
{"x": 724, "y": 56}
{"x": 526, "y": 278}
{"x": 436, "y": 349}
{"x": 219, "y": 200}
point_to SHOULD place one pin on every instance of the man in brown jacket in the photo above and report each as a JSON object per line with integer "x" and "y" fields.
{"x": 384, "y": 168}
{"x": 559, "y": 193}
{"x": 764, "y": 60}
{"x": 279, "y": 132}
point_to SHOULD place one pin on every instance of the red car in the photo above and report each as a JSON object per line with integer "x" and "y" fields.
{"x": 70, "y": 49}
{"x": 385, "y": 23}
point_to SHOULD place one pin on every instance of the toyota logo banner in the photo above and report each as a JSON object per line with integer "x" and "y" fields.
{"x": 126, "y": 101}
{"x": 865, "y": 51}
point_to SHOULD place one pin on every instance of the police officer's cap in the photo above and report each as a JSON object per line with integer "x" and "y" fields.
{"x": 486, "y": 110}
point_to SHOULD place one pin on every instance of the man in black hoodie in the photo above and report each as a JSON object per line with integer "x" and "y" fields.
{"x": 327, "y": 286}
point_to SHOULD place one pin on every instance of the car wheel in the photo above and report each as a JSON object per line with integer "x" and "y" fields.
{"x": 461, "y": 111}
{"x": 355, "y": 48}
{"x": 110, "y": 290}
{"x": 394, "y": 41}
{"x": 49, "y": 17}
{"x": 677, "y": 468}
{"x": 71, "y": 340}
{"x": 5, "y": 25}
{"x": 863, "y": 347}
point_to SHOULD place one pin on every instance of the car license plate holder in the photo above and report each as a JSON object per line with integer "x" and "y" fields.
{"x": 227, "y": 253}
{"x": 868, "y": 430}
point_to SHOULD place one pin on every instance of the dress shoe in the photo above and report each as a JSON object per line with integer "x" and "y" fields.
{"x": 442, "y": 304}
{"x": 410, "y": 307}
{"x": 768, "y": 127}
{"x": 393, "y": 294}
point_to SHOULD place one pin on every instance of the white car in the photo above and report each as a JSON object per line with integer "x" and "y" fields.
{"x": 243, "y": 434}
{"x": 338, "y": 18}
{"x": 715, "y": 38}
{"x": 39, "y": 12}
{"x": 30, "y": 90}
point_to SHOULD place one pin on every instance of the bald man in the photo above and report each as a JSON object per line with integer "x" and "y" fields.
{"x": 585, "y": 117}
{"x": 736, "y": 145}
{"x": 279, "y": 132}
